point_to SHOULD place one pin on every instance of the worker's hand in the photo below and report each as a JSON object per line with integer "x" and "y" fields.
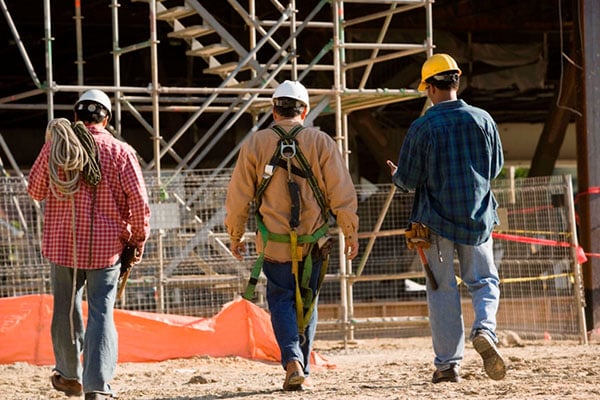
{"x": 392, "y": 166}
{"x": 351, "y": 248}
{"x": 238, "y": 249}
{"x": 137, "y": 257}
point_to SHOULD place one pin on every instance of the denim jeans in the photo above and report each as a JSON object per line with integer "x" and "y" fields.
{"x": 98, "y": 341}
{"x": 281, "y": 298}
{"x": 480, "y": 275}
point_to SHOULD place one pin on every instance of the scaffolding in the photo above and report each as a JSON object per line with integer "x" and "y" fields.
{"x": 245, "y": 70}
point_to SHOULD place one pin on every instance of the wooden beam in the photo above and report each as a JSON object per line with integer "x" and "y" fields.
{"x": 588, "y": 165}
{"x": 560, "y": 115}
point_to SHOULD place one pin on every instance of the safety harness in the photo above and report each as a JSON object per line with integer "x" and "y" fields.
{"x": 286, "y": 150}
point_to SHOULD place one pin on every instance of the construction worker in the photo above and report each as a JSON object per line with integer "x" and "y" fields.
{"x": 449, "y": 157}
{"x": 297, "y": 177}
{"x": 95, "y": 205}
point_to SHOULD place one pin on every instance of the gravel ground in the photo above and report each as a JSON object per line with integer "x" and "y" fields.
{"x": 365, "y": 369}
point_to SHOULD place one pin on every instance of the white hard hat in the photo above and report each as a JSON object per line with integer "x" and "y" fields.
{"x": 96, "y": 96}
{"x": 293, "y": 90}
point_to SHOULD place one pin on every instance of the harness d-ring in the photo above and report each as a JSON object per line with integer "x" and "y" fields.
{"x": 288, "y": 150}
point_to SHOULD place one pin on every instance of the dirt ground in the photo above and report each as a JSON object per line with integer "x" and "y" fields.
{"x": 366, "y": 369}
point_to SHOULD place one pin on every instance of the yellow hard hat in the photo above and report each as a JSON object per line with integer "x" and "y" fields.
{"x": 436, "y": 64}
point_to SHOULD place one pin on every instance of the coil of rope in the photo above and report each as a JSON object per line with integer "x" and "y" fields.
{"x": 73, "y": 154}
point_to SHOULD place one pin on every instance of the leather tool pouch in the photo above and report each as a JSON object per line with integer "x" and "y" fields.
{"x": 417, "y": 235}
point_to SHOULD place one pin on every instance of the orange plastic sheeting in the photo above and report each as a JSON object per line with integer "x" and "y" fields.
{"x": 239, "y": 329}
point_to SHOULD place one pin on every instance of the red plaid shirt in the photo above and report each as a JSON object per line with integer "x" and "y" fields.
{"x": 120, "y": 213}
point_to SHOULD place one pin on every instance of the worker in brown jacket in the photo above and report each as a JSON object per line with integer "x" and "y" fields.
{"x": 297, "y": 178}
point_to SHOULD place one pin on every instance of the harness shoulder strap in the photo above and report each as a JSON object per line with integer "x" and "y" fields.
{"x": 289, "y": 137}
{"x": 276, "y": 159}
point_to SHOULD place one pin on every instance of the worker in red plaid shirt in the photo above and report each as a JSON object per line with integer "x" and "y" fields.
{"x": 96, "y": 203}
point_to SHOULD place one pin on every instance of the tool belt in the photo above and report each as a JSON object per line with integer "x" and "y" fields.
{"x": 417, "y": 235}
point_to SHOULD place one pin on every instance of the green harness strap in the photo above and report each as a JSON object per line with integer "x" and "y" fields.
{"x": 305, "y": 300}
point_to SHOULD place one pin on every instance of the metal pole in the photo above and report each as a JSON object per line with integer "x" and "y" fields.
{"x": 294, "y": 72}
{"x": 156, "y": 139}
{"x": 48, "y": 58}
{"x": 78, "y": 42}
{"x": 116, "y": 114}
{"x": 429, "y": 27}
{"x": 252, "y": 32}
{"x": 577, "y": 273}
{"x": 338, "y": 60}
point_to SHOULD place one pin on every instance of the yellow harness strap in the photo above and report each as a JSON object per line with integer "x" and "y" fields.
{"x": 295, "y": 272}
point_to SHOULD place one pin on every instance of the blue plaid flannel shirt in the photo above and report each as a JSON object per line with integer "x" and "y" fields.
{"x": 449, "y": 157}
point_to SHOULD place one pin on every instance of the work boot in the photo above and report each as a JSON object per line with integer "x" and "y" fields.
{"x": 447, "y": 375}
{"x": 99, "y": 396}
{"x": 70, "y": 387}
{"x": 294, "y": 376}
{"x": 493, "y": 363}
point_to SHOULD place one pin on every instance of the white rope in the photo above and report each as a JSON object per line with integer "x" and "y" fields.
{"x": 67, "y": 158}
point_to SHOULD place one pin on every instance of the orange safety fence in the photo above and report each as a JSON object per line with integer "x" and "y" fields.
{"x": 240, "y": 329}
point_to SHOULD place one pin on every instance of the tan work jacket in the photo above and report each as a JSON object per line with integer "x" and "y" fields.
{"x": 329, "y": 169}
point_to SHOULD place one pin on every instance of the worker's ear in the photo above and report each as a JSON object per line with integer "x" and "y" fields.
{"x": 304, "y": 113}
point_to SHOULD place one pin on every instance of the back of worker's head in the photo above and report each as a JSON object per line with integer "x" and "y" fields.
{"x": 441, "y": 71}
{"x": 93, "y": 107}
{"x": 290, "y": 99}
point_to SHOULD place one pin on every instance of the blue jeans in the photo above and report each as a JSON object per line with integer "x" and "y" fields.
{"x": 480, "y": 275}
{"x": 281, "y": 298}
{"x": 98, "y": 341}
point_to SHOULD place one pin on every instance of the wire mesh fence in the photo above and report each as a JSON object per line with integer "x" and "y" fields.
{"x": 22, "y": 268}
{"x": 536, "y": 252}
{"x": 187, "y": 267}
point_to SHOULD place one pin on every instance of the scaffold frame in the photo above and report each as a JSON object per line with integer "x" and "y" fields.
{"x": 235, "y": 96}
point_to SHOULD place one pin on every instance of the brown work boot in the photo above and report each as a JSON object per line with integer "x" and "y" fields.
{"x": 294, "y": 376}
{"x": 451, "y": 374}
{"x": 70, "y": 387}
{"x": 493, "y": 363}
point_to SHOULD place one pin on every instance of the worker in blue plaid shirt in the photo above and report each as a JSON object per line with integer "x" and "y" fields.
{"x": 449, "y": 157}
